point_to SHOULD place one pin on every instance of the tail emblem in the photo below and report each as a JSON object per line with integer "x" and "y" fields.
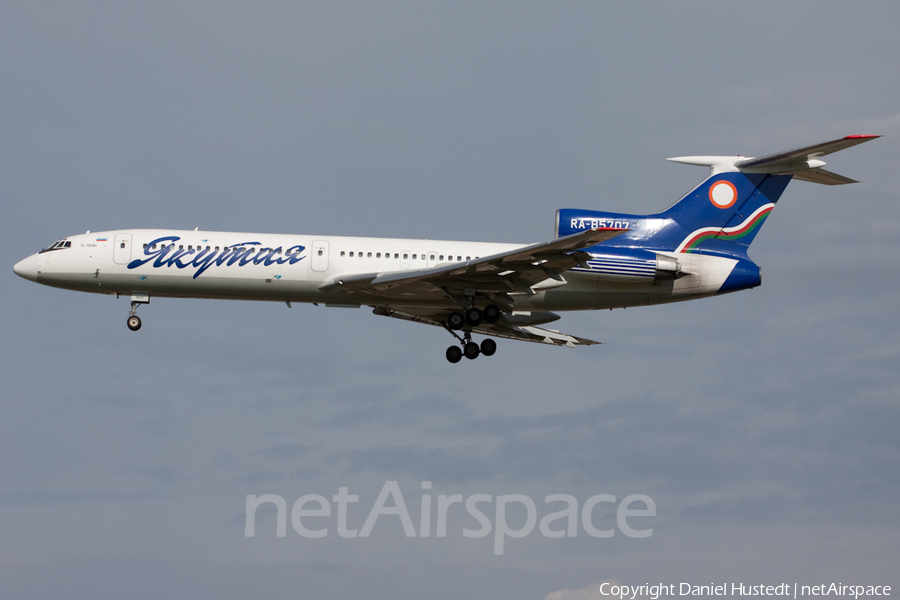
{"x": 723, "y": 194}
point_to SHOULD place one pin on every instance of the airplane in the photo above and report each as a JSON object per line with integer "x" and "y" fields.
{"x": 598, "y": 260}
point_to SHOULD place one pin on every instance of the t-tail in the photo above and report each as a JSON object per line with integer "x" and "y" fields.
{"x": 723, "y": 214}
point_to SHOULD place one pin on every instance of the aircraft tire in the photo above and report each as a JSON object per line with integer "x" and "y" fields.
{"x": 454, "y": 354}
{"x": 488, "y": 346}
{"x": 134, "y": 322}
{"x": 456, "y": 320}
{"x": 491, "y": 313}
{"x": 471, "y": 351}
{"x": 474, "y": 316}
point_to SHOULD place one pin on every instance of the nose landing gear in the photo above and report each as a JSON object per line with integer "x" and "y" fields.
{"x": 134, "y": 321}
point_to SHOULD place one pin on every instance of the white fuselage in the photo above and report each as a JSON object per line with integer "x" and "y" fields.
{"x": 203, "y": 264}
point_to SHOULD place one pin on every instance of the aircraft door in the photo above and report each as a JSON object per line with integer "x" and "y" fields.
{"x": 404, "y": 259}
{"x": 432, "y": 259}
{"x": 319, "y": 256}
{"x": 122, "y": 250}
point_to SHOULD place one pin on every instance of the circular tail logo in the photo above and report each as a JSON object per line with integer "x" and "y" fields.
{"x": 723, "y": 194}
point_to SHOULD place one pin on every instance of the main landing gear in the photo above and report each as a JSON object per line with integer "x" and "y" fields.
{"x": 473, "y": 317}
{"x": 470, "y": 349}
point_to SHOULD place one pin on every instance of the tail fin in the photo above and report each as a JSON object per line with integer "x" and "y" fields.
{"x": 722, "y": 214}
{"x": 726, "y": 211}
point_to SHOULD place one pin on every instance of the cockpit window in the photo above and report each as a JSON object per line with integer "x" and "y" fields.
{"x": 58, "y": 246}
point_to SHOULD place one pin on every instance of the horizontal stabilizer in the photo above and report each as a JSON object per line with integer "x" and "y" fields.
{"x": 804, "y": 164}
{"x": 801, "y": 155}
{"x": 822, "y": 176}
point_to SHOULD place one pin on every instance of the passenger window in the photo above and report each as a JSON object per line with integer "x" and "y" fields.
{"x": 441, "y": 257}
{"x": 145, "y": 246}
{"x": 351, "y": 255}
{"x": 342, "y": 252}
{"x": 397, "y": 255}
{"x": 320, "y": 252}
{"x": 414, "y": 257}
{"x": 369, "y": 255}
{"x": 468, "y": 258}
{"x": 405, "y": 256}
{"x": 432, "y": 257}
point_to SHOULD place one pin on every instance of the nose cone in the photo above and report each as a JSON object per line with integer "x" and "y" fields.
{"x": 27, "y": 268}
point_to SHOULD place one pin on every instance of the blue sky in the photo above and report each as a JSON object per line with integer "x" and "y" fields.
{"x": 762, "y": 424}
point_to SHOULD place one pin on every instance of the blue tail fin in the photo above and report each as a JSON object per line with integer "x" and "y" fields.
{"x": 722, "y": 215}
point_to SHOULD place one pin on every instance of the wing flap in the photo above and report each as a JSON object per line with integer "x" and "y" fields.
{"x": 501, "y": 329}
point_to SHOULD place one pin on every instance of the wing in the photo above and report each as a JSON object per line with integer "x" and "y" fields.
{"x": 440, "y": 289}
{"x": 514, "y": 327}
{"x": 513, "y": 271}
